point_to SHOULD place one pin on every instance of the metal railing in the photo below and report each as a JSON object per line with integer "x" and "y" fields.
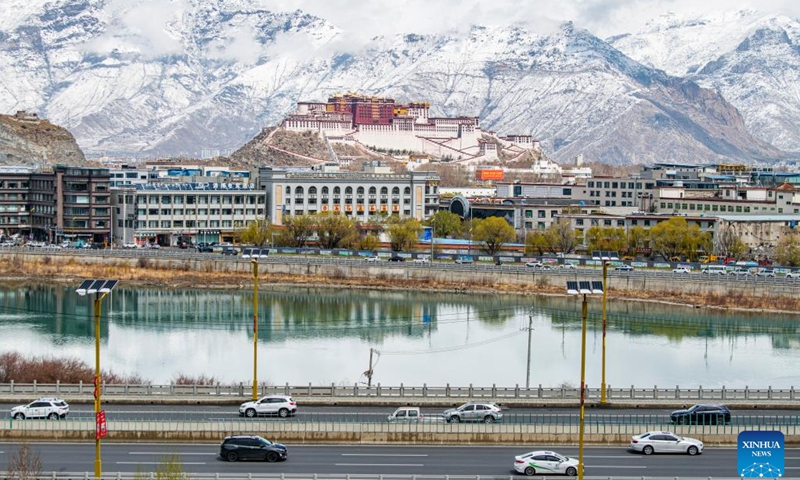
{"x": 447, "y": 392}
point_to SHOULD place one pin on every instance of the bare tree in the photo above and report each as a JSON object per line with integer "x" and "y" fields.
{"x": 24, "y": 464}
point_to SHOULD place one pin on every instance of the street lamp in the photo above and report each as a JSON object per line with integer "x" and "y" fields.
{"x": 100, "y": 288}
{"x": 603, "y": 381}
{"x": 585, "y": 288}
{"x": 254, "y": 262}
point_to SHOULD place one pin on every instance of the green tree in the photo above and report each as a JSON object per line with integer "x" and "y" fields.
{"x": 404, "y": 234}
{"x": 256, "y": 233}
{"x": 298, "y": 229}
{"x": 369, "y": 242}
{"x": 787, "y": 252}
{"x": 536, "y": 243}
{"x": 675, "y": 237}
{"x": 638, "y": 238}
{"x": 560, "y": 237}
{"x": 445, "y": 224}
{"x": 335, "y": 230}
{"x": 606, "y": 238}
{"x": 494, "y": 232}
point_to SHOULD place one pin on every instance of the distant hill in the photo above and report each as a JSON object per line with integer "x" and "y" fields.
{"x": 27, "y": 140}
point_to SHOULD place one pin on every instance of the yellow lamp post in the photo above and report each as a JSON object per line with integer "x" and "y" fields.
{"x": 254, "y": 262}
{"x": 605, "y": 289}
{"x": 584, "y": 288}
{"x": 100, "y": 288}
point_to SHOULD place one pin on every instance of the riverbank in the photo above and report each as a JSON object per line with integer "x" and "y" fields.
{"x": 215, "y": 274}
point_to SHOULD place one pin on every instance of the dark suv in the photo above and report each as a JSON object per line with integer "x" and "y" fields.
{"x": 702, "y": 414}
{"x": 251, "y": 447}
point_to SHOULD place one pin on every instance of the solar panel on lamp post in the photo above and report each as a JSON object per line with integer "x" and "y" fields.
{"x": 100, "y": 288}
{"x": 585, "y": 288}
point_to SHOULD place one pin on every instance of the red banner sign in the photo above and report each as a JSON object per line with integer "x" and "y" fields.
{"x": 101, "y": 430}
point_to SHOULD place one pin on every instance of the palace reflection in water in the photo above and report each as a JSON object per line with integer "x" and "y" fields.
{"x": 324, "y": 336}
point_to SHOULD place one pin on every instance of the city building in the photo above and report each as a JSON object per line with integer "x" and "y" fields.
{"x": 784, "y": 199}
{"x": 170, "y": 214}
{"x": 83, "y": 203}
{"x": 27, "y": 205}
{"x": 364, "y": 195}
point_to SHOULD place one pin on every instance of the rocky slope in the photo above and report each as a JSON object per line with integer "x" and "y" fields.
{"x": 36, "y": 143}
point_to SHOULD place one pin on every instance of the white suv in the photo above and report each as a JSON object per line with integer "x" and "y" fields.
{"x": 280, "y": 405}
{"x": 52, "y": 408}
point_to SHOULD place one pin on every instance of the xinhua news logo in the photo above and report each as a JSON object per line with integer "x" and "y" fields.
{"x": 760, "y": 454}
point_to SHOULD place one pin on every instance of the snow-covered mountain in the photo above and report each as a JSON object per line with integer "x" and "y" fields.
{"x": 167, "y": 78}
{"x": 751, "y": 58}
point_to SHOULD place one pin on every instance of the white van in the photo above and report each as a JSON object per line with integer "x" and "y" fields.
{"x": 716, "y": 270}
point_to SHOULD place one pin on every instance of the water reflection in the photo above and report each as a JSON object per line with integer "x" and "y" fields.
{"x": 324, "y": 336}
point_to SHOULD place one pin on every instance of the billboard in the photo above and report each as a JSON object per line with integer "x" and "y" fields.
{"x": 490, "y": 174}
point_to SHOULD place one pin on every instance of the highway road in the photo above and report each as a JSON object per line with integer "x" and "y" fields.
{"x": 387, "y": 460}
{"x": 373, "y": 414}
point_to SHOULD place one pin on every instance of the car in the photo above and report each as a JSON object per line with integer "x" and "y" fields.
{"x": 420, "y": 260}
{"x": 397, "y": 259}
{"x": 463, "y": 260}
{"x": 279, "y": 405}
{"x": 229, "y": 251}
{"x": 130, "y": 245}
{"x": 741, "y": 272}
{"x": 681, "y": 270}
{"x": 535, "y": 264}
{"x": 372, "y": 259}
{"x": 702, "y": 414}
{"x": 765, "y": 272}
{"x": 795, "y": 274}
{"x": 251, "y": 447}
{"x": 665, "y": 442}
{"x": 624, "y": 268}
{"x": 545, "y": 463}
{"x": 405, "y": 414}
{"x": 568, "y": 266}
{"x": 204, "y": 247}
{"x": 715, "y": 270}
{"x": 52, "y": 408}
{"x": 474, "y": 412}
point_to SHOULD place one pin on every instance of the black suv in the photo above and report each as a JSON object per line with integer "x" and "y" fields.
{"x": 251, "y": 447}
{"x": 702, "y": 414}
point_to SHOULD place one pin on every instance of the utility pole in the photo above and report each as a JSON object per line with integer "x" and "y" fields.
{"x": 528, "y": 373}
{"x": 605, "y": 289}
{"x": 368, "y": 373}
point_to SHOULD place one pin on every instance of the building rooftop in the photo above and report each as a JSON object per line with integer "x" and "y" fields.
{"x": 194, "y": 186}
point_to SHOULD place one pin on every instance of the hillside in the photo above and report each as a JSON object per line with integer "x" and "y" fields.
{"x": 35, "y": 142}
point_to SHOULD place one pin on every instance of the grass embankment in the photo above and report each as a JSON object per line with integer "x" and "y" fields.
{"x": 147, "y": 273}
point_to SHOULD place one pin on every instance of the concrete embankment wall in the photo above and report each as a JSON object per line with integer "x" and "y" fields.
{"x": 369, "y": 434}
{"x": 459, "y": 279}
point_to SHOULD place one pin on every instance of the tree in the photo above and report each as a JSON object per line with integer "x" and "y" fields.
{"x": 606, "y": 239}
{"x": 368, "y": 242}
{"x": 638, "y": 238}
{"x": 494, "y": 232}
{"x": 404, "y": 234}
{"x": 560, "y": 237}
{"x": 729, "y": 244}
{"x": 256, "y": 233}
{"x": 24, "y": 464}
{"x": 675, "y": 237}
{"x": 445, "y": 224}
{"x": 335, "y": 230}
{"x": 787, "y": 252}
{"x": 298, "y": 230}
{"x": 536, "y": 243}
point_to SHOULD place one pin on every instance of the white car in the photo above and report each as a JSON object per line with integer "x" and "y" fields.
{"x": 681, "y": 270}
{"x": 545, "y": 463}
{"x": 52, "y": 408}
{"x": 665, "y": 442}
{"x": 372, "y": 259}
{"x": 568, "y": 266}
{"x": 795, "y": 274}
{"x": 420, "y": 260}
{"x": 280, "y": 405}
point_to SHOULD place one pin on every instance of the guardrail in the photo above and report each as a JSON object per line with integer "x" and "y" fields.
{"x": 318, "y": 476}
{"x": 402, "y": 391}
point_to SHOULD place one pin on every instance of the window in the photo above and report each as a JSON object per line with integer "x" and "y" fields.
{"x": 566, "y": 192}
{"x": 579, "y": 221}
{"x": 542, "y": 214}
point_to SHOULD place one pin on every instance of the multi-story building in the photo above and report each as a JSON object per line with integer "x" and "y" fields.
{"x": 27, "y": 203}
{"x": 365, "y": 195}
{"x": 83, "y": 203}
{"x": 190, "y": 212}
{"x": 635, "y": 193}
{"x": 729, "y": 200}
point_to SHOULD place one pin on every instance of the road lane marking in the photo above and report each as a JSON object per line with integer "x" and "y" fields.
{"x": 379, "y": 464}
{"x": 158, "y": 463}
{"x": 615, "y": 466}
{"x": 632, "y": 457}
{"x": 170, "y": 453}
{"x": 384, "y": 455}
